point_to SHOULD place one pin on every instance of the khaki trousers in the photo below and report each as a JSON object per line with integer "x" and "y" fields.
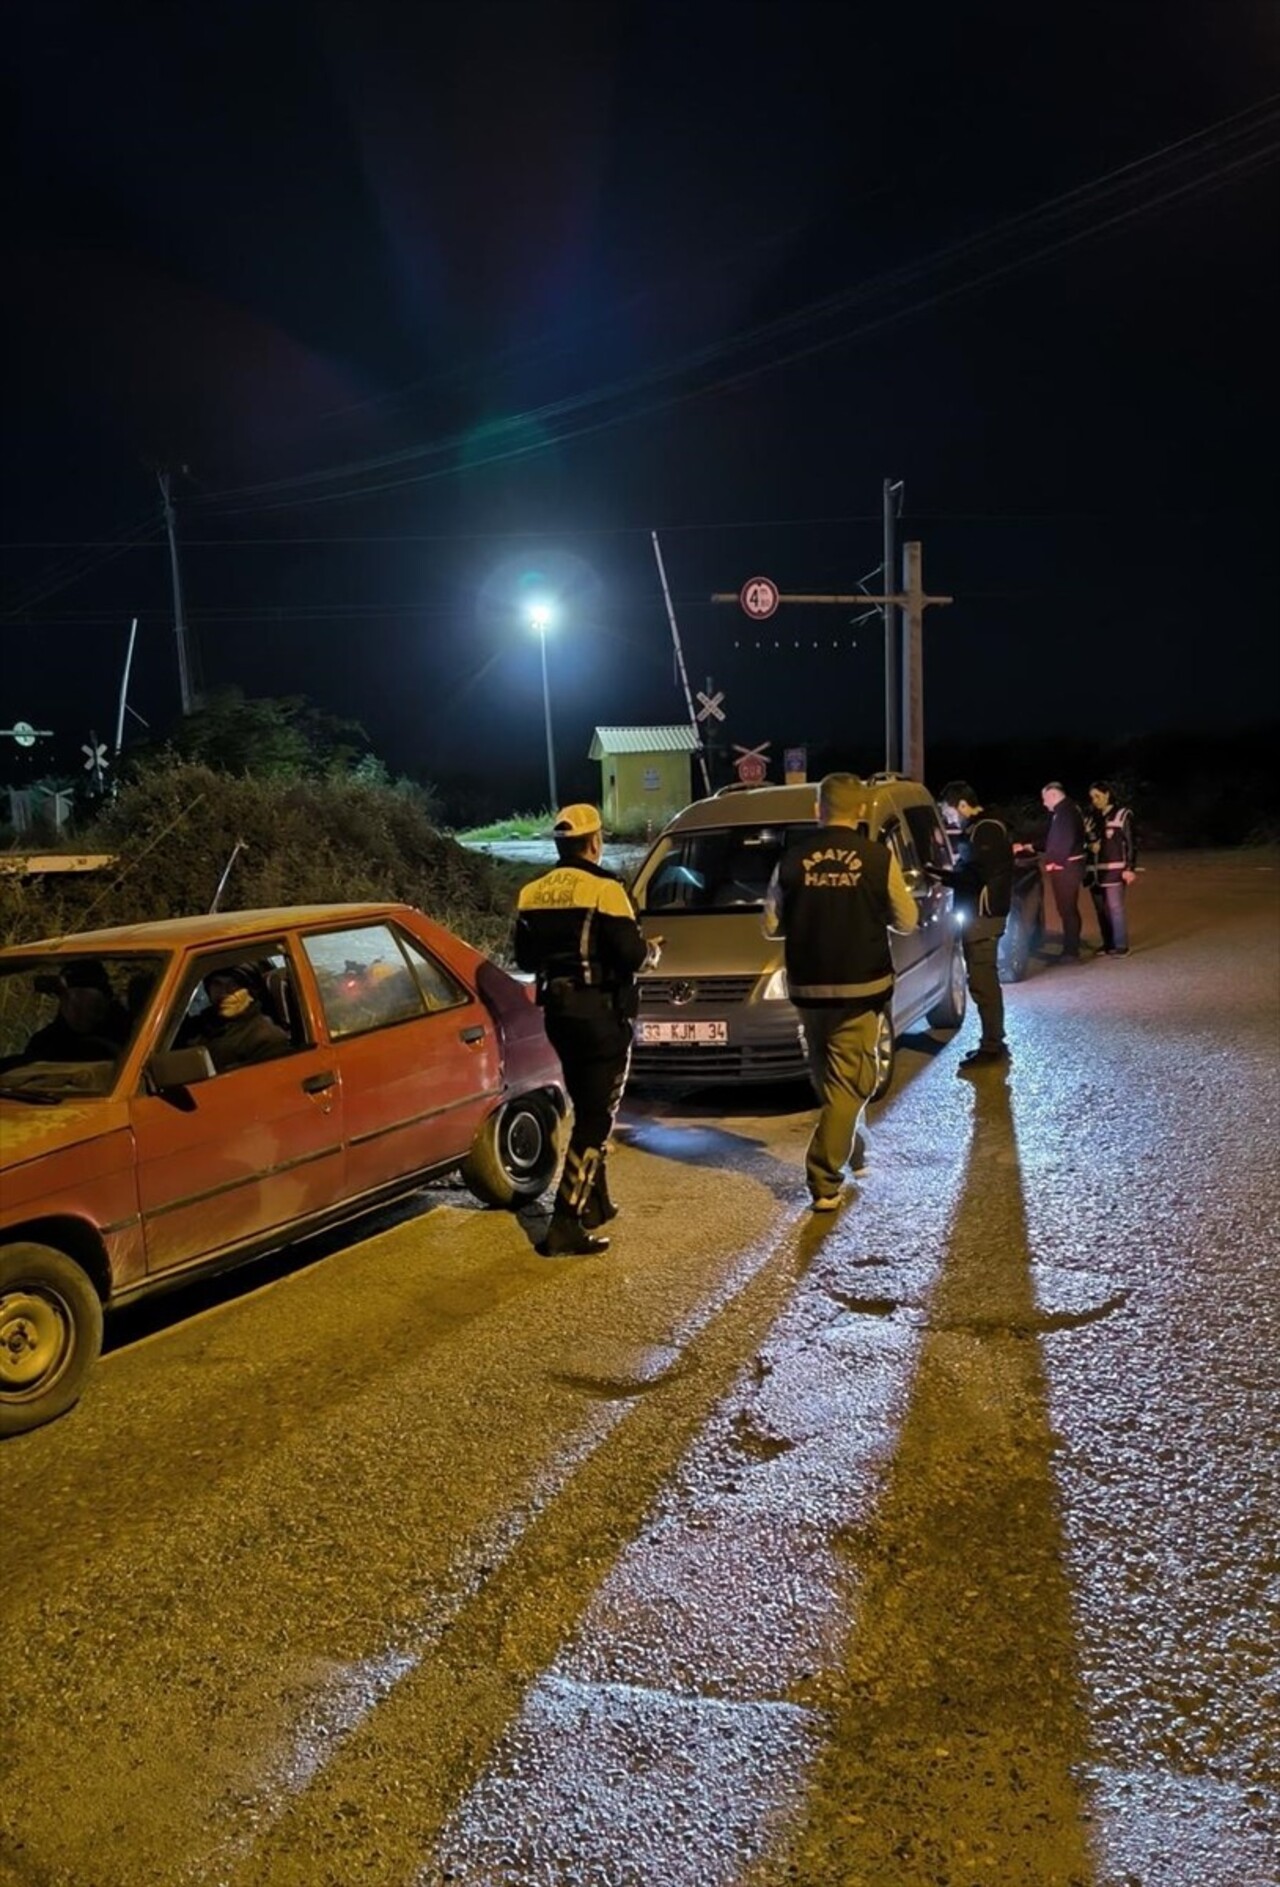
{"x": 840, "y": 1042}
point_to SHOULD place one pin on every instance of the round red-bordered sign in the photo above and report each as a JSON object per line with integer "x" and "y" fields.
{"x": 759, "y": 598}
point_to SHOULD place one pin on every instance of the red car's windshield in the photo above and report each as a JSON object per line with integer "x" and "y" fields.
{"x": 66, "y": 1022}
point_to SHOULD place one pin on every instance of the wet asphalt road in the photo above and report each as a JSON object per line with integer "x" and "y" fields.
{"x": 935, "y": 1544}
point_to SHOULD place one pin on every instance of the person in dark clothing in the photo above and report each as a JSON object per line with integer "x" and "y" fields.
{"x": 90, "y": 1024}
{"x": 1065, "y": 852}
{"x": 577, "y": 933}
{"x": 1115, "y": 855}
{"x": 982, "y": 879}
{"x": 833, "y": 897}
{"x": 234, "y": 1028}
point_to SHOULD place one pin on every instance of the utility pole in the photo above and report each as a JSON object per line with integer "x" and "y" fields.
{"x": 913, "y": 661}
{"x": 186, "y": 684}
{"x": 892, "y": 500}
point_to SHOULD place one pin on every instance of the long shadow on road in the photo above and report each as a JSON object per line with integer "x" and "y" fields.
{"x": 461, "y": 1689}
{"x": 957, "y": 1719}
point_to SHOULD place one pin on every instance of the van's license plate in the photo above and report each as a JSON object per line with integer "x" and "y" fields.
{"x": 706, "y": 1033}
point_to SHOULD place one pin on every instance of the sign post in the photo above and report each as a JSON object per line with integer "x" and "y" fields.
{"x": 760, "y": 598}
{"x": 25, "y": 735}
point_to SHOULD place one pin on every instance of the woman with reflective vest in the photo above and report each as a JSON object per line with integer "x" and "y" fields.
{"x": 1114, "y": 852}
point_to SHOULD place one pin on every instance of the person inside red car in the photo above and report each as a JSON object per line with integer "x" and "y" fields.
{"x": 90, "y": 1024}
{"x": 234, "y": 1028}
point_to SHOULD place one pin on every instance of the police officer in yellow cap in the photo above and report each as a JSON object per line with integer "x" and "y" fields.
{"x": 577, "y": 932}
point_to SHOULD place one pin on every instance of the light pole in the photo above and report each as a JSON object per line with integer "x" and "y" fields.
{"x": 540, "y": 622}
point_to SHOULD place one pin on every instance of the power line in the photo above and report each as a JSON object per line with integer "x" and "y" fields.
{"x": 63, "y": 576}
{"x": 1083, "y": 198}
{"x": 708, "y": 526}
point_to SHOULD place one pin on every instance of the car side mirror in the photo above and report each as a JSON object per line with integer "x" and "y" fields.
{"x": 180, "y": 1068}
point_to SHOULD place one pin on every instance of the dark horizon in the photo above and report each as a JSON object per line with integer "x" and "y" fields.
{"x": 441, "y": 309}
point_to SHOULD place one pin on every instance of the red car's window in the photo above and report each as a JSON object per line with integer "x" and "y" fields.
{"x": 241, "y": 1008}
{"x": 364, "y": 979}
{"x": 440, "y": 989}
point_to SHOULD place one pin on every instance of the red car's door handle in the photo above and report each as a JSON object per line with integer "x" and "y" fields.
{"x": 473, "y": 1034}
{"x": 316, "y": 1084}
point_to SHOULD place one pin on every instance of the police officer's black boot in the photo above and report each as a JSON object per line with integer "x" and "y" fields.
{"x": 567, "y": 1234}
{"x": 599, "y": 1208}
{"x": 568, "y": 1237}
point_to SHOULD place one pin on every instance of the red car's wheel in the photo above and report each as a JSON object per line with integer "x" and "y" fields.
{"x": 50, "y": 1335}
{"x": 515, "y": 1154}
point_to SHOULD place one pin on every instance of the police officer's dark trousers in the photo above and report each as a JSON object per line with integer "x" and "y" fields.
{"x": 594, "y": 1046}
{"x": 981, "y": 950}
{"x": 1065, "y": 885}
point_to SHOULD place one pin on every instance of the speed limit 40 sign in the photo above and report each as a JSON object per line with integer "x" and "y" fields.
{"x": 759, "y": 598}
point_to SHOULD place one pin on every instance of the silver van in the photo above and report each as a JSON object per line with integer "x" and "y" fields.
{"x": 716, "y": 1007}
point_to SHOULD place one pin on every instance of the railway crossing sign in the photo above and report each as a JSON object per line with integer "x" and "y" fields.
{"x": 711, "y": 709}
{"x": 95, "y": 759}
{"x": 752, "y": 763}
{"x": 759, "y": 598}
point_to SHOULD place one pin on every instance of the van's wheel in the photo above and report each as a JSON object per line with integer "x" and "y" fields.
{"x": 1015, "y": 951}
{"x": 515, "y": 1154}
{"x": 50, "y": 1335}
{"x": 949, "y": 1013}
{"x": 886, "y": 1054}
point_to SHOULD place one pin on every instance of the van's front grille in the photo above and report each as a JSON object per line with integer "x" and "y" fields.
{"x": 701, "y": 1064}
{"x": 689, "y": 992}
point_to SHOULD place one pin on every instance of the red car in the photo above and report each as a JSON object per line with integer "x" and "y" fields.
{"x": 184, "y": 1095}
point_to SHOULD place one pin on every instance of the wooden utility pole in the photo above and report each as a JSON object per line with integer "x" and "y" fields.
{"x": 913, "y": 602}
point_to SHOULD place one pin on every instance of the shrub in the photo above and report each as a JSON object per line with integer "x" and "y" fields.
{"x": 304, "y": 841}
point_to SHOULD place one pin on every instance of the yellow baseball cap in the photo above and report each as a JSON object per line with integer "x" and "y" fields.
{"x": 576, "y": 822}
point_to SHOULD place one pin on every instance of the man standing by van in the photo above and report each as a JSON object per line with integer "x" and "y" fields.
{"x": 833, "y": 898}
{"x": 982, "y": 879}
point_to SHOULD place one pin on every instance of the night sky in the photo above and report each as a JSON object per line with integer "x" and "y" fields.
{"x": 444, "y": 306}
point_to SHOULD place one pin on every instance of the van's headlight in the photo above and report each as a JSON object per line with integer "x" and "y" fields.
{"x": 775, "y": 990}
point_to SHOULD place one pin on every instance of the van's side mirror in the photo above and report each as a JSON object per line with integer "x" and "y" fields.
{"x": 180, "y": 1068}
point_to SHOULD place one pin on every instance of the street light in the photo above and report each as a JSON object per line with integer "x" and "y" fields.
{"x": 540, "y": 622}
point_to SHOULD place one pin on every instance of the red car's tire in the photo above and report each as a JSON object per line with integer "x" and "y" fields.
{"x": 516, "y": 1153}
{"x": 50, "y": 1335}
